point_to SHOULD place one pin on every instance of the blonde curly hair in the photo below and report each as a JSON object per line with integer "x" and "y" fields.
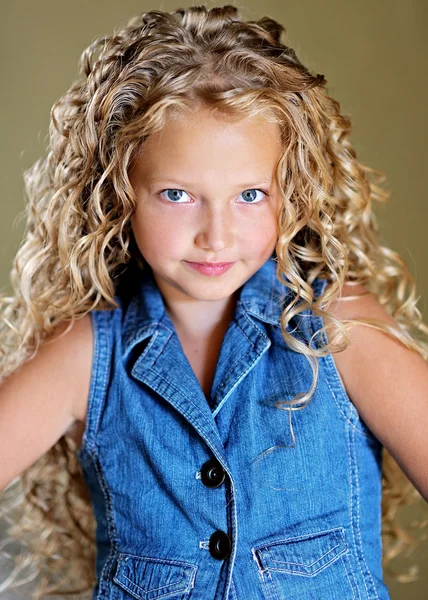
{"x": 79, "y": 243}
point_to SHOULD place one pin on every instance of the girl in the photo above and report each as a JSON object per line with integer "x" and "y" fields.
{"x": 200, "y": 243}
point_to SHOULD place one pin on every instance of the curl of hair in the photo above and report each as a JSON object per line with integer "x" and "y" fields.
{"x": 79, "y": 245}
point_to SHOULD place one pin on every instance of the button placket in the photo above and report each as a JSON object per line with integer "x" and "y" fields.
{"x": 213, "y": 475}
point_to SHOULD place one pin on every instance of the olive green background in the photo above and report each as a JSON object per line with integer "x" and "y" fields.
{"x": 372, "y": 53}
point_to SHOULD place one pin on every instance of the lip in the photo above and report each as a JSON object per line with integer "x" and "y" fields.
{"x": 207, "y": 268}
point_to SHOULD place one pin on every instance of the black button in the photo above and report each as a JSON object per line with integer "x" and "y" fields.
{"x": 220, "y": 545}
{"x": 212, "y": 473}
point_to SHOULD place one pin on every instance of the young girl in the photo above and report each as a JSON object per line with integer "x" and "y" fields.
{"x": 200, "y": 243}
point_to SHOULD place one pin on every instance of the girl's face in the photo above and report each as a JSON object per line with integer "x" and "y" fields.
{"x": 206, "y": 193}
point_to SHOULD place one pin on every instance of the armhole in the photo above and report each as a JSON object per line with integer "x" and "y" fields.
{"x": 334, "y": 381}
{"x": 101, "y": 363}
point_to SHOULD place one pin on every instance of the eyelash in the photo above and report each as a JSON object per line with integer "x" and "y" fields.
{"x": 265, "y": 192}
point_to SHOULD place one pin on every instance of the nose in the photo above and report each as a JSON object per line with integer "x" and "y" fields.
{"x": 215, "y": 230}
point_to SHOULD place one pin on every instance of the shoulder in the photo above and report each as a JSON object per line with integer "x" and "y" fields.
{"x": 42, "y": 399}
{"x": 356, "y": 301}
{"x": 73, "y": 350}
{"x": 367, "y": 343}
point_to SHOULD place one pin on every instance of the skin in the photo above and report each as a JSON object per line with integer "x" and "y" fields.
{"x": 210, "y": 164}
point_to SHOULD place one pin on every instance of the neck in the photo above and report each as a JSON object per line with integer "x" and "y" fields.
{"x": 202, "y": 319}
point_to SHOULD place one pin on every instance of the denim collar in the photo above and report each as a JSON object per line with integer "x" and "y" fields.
{"x": 263, "y": 296}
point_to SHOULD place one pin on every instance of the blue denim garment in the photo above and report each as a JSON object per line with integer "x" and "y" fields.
{"x": 190, "y": 498}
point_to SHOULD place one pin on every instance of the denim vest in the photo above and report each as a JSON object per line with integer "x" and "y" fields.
{"x": 227, "y": 498}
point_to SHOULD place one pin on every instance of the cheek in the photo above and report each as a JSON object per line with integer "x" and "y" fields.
{"x": 264, "y": 229}
{"x": 155, "y": 233}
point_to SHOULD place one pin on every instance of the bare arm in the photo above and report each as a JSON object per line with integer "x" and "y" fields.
{"x": 388, "y": 384}
{"x": 43, "y": 399}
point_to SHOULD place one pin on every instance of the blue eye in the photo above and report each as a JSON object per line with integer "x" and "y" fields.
{"x": 250, "y": 195}
{"x": 174, "y": 197}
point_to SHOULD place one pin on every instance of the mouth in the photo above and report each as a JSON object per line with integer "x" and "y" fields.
{"x": 207, "y": 268}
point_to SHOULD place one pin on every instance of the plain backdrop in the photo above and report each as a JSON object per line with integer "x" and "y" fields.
{"x": 372, "y": 53}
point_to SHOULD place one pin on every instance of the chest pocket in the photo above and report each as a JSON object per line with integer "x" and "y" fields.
{"x": 313, "y": 566}
{"x": 147, "y": 578}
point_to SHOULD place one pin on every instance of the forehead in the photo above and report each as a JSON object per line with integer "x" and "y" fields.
{"x": 205, "y": 139}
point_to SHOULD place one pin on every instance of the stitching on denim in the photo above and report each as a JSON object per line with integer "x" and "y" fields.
{"x": 238, "y": 360}
{"x": 300, "y": 537}
{"x": 95, "y": 406}
{"x": 333, "y": 372}
{"x": 243, "y": 374}
{"x": 347, "y": 576}
{"x": 125, "y": 556}
{"x": 351, "y": 499}
{"x": 234, "y": 530}
{"x": 232, "y": 493}
{"x": 160, "y": 587}
{"x": 345, "y": 416}
{"x": 232, "y": 585}
{"x": 216, "y": 448}
{"x": 111, "y": 527}
{"x": 312, "y": 574}
{"x": 156, "y": 388}
{"x": 104, "y": 384}
{"x": 260, "y": 572}
{"x": 268, "y": 574}
{"x": 149, "y": 345}
{"x": 251, "y": 322}
{"x": 351, "y": 572}
{"x": 358, "y": 527}
{"x": 289, "y": 562}
{"x": 165, "y": 595}
{"x": 94, "y": 380}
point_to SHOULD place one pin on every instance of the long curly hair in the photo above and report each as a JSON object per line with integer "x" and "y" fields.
{"x": 79, "y": 244}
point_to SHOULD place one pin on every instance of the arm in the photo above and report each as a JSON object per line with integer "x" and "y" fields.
{"x": 388, "y": 384}
{"x": 44, "y": 398}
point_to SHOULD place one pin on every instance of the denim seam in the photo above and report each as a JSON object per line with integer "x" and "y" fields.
{"x": 234, "y": 530}
{"x": 125, "y": 556}
{"x": 92, "y": 396}
{"x": 230, "y": 370}
{"x": 269, "y": 574}
{"x": 351, "y": 499}
{"x": 156, "y": 388}
{"x": 95, "y": 415}
{"x": 104, "y": 384}
{"x": 94, "y": 409}
{"x": 289, "y": 562}
{"x": 349, "y": 432}
{"x": 351, "y": 572}
{"x": 358, "y": 527}
{"x": 347, "y": 576}
{"x": 241, "y": 377}
{"x": 252, "y": 324}
{"x": 160, "y": 587}
{"x": 263, "y": 574}
{"x": 332, "y": 371}
{"x": 338, "y": 404}
{"x": 111, "y": 527}
{"x": 300, "y": 537}
{"x": 232, "y": 585}
{"x": 262, "y": 577}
